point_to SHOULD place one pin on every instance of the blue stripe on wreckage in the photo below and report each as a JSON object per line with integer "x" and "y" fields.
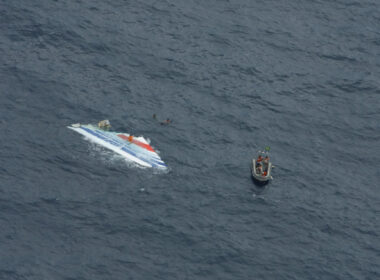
{"x": 154, "y": 162}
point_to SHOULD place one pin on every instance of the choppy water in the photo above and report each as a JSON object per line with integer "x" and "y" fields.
{"x": 235, "y": 76}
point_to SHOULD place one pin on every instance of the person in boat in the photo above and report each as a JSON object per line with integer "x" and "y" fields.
{"x": 264, "y": 173}
{"x": 259, "y": 159}
{"x": 259, "y": 169}
{"x": 105, "y": 124}
{"x": 266, "y": 160}
{"x": 130, "y": 138}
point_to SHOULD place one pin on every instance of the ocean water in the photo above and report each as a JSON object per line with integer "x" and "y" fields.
{"x": 302, "y": 77}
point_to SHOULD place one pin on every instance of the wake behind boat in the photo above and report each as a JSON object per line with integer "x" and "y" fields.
{"x": 136, "y": 149}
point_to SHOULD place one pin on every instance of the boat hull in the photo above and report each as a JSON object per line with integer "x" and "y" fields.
{"x": 259, "y": 177}
{"x": 138, "y": 151}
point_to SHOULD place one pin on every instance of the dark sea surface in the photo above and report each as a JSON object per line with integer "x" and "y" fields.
{"x": 302, "y": 77}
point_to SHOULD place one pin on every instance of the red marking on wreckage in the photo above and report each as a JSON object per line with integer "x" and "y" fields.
{"x": 138, "y": 143}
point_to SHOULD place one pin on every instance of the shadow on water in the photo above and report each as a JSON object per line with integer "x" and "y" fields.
{"x": 259, "y": 187}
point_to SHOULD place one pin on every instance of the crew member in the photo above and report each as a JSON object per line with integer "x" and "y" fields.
{"x": 259, "y": 159}
{"x": 266, "y": 160}
{"x": 259, "y": 169}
